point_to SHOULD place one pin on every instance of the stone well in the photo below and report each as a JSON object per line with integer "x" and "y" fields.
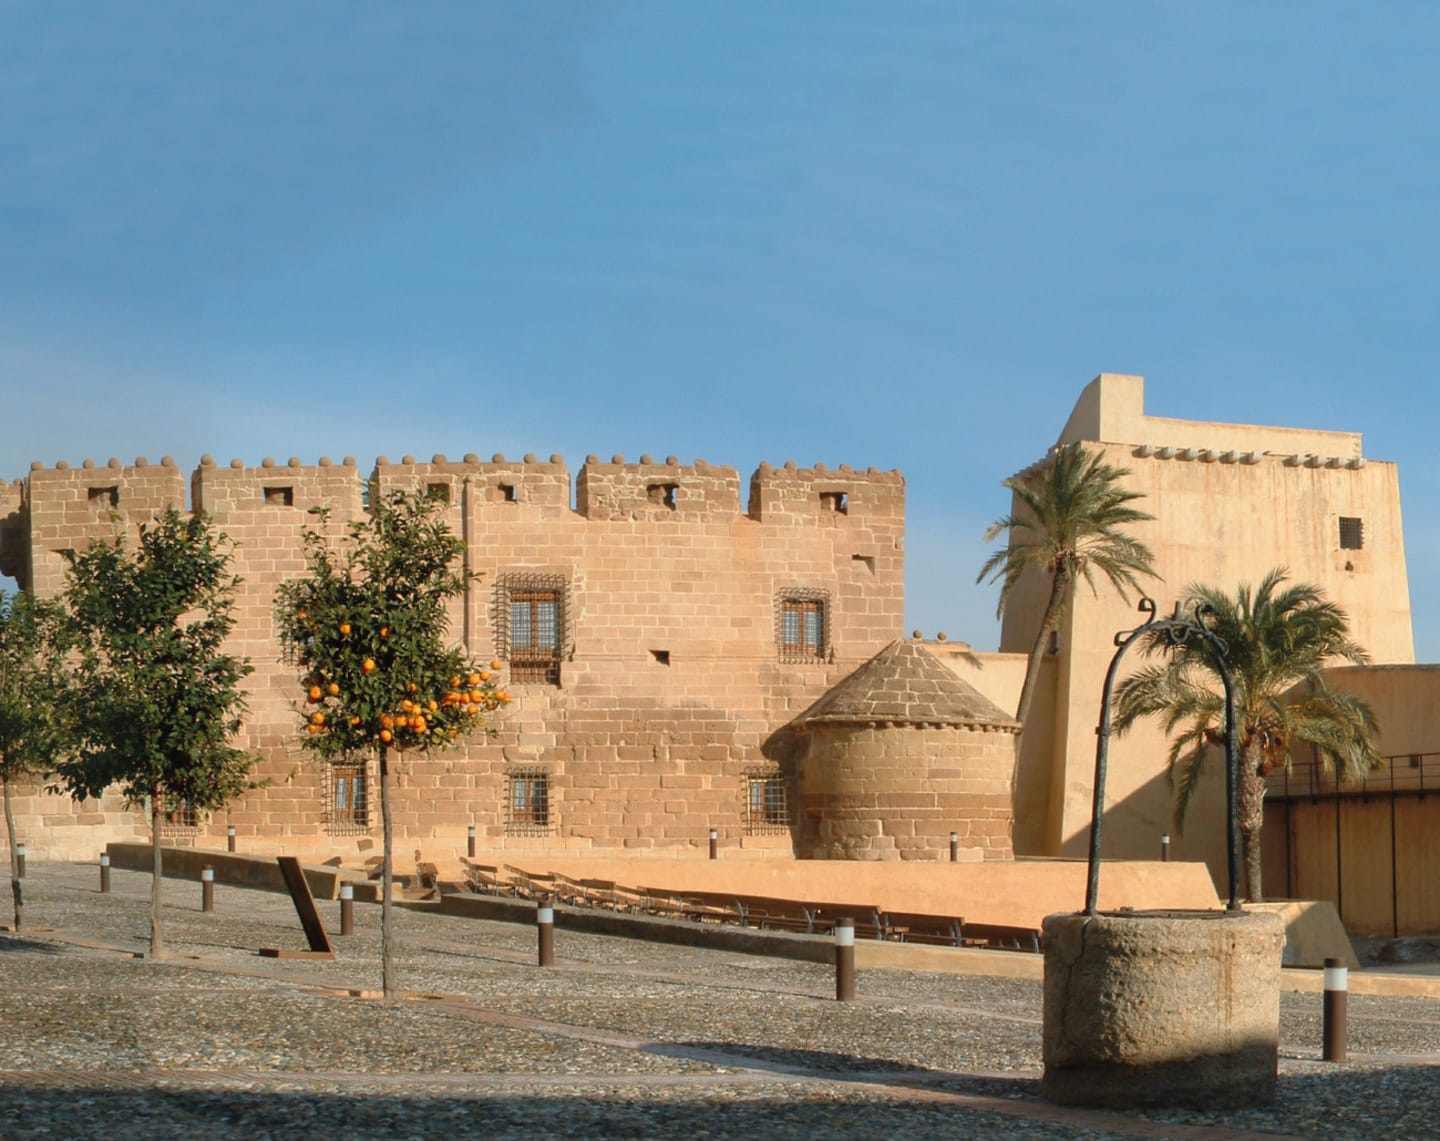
{"x": 1162, "y": 1008}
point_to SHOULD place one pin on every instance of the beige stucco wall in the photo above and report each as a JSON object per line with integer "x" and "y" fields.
{"x": 1232, "y": 502}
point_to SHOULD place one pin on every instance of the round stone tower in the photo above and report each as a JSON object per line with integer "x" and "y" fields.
{"x": 899, "y": 755}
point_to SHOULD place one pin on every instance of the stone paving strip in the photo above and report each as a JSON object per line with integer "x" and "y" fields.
{"x": 623, "y": 1038}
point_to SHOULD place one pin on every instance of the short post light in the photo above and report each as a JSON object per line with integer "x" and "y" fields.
{"x": 1337, "y": 994}
{"x": 1165, "y": 848}
{"x": 347, "y": 909}
{"x": 545, "y": 926}
{"x": 470, "y": 841}
{"x": 207, "y": 888}
{"x": 954, "y": 847}
{"x": 230, "y": 838}
{"x": 845, "y": 959}
{"x": 714, "y": 843}
{"x": 20, "y": 861}
{"x": 105, "y": 873}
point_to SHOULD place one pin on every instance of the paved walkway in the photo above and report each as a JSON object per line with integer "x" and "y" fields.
{"x": 623, "y": 1038}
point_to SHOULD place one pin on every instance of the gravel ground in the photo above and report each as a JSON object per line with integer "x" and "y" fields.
{"x": 623, "y": 1039}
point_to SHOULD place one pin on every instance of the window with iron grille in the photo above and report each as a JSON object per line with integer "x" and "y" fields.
{"x": 527, "y": 804}
{"x": 528, "y": 614}
{"x": 182, "y": 820}
{"x": 767, "y": 809}
{"x": 1352, "y": 533}
{"x": 348, "y": 800}
{"x": 803, "y": 626}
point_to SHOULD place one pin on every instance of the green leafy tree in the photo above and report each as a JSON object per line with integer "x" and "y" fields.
{"x": 34, "y": 731}
{"x": 1279, "y": 640}
{"x": 1068, "y": 524}
{"x": 367, "y": 628}
{"x": 156, "y": 700}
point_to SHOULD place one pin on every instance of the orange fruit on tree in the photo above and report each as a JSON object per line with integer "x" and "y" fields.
{"x": 333, "y": 689}
{"x": 384, "y": 631}
{"x": 484, "y": 675}
{"x": 314, "y": 693}
{"x": 317, "y": 718}
{"x": 386, "y": 736}
{"x": 368, "y": 665}
{"x": 474, "y": 680}
{"x": 345, "y": 629}
{"x": 495, "y": 665}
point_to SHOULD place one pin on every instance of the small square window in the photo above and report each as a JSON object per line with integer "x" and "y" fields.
{"x": 1352, "y": 533}
{"x": 767, "y": 810}
{"x": 527, "y": 804}
{"x": 438, "y": 491}
{"x": 803, "y": 628}
{"x": 836, "y": 501}
{"x": 104, "y": 498}
{"x": 182, "y": 817}
{"x": 349, "y": 799}
{"x": 665, "y": 495}
{"x": 280, "y": 497}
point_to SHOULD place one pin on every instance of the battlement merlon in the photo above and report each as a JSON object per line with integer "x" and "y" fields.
{"x": 225, "y": 492}
{"x": 658, "y": 491}
{"x": 499, "y": 485}
{"x": 792, "y": 493}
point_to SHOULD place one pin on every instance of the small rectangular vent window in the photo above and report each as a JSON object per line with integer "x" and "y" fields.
{"x": 1352, "y": 533}
{"x": 280, "y": 497}
{"x": 438, "y": 491}
{"x": 663, "y": 494}
{"x": 104, "y": 498}
{"x": 836, "y": 501}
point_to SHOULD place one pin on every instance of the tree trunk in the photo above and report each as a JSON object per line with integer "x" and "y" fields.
{"x": 1251, "y": 797}
{"x": 156, "y": 947}
{"x": 16, "y": 889}
{"x": 387, "y": 950}
{"x": 1048, "y": 621}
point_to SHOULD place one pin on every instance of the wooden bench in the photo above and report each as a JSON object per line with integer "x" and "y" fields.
{"x": 1000, "y": 937}
{"x": 484, "y": 879}
{"x": 531, "y": 885}
{"x": 922, "y": 927}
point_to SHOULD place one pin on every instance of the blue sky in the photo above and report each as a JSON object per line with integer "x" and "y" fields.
{"x": 824, "y": 231}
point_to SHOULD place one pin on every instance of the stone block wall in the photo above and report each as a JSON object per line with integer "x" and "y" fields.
{"x": 672, "y": 693}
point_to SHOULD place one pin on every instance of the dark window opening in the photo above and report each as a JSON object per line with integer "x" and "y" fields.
{"x": 349, "y": 798}
{"x": 440, "y": 492}
{"x": 836, "y": 501}
{"x": 527, "y": 804}
{"x": 661, "y": 656}
{"x": 767, "y": 809}
{"x": 663, "y": 494}
{"x": 507, "y": 493}
{"x": 182, "y": 816}
{"x": 535, "y": 636}
{"x": 1352, "y": 533}
{"x": 104, "y": 498}
{"x": 280, "y": 497}
{"x": 803, "y": 628}
{"x": 866, "y": 561}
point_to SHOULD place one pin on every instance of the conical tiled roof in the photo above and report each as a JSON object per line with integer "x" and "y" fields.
{"x": 904, "y": 683}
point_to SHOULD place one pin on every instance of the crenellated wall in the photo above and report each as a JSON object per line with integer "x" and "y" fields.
{"x": 672, "y": 693}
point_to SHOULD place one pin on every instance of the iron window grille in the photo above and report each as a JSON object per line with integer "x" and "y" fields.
{"x": 180, "y": 822}
{"x": 767, "y": 806}
{"x": 527, "y": 804}
{"x": 1352, "y": 533}
{"x": 347, "y": 800}
{"x": 802, "y": 625}
{"x": 528, "y": 614}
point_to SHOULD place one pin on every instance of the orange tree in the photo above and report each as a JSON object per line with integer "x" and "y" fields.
{"x": 155, "y": 699}
{"x": 366, "y": 627}
{"x": 34, "y": 731}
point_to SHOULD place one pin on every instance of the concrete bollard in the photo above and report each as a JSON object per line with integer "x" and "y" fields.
{"x": 20, "y": 861}
{"x": 545, "y": 925}
{"x": 845, "y": 960}
{"x": 230, "y": 838}
{"x": 954, "y": 847}
{"x": 347, "y": 909}
{"x": 1337, "y": 995}
{"x": 714, "y": 843}
{"x": 470, "y": 841}
{"x": 104, "y": 873}
{"x": 207, "y": 888}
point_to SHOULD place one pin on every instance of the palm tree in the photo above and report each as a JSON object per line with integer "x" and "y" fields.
{"x": 1280, "y": 639}
{"x": 1067, "y": 526}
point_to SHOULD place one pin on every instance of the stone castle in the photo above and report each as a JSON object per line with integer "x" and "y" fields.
{"x": 680, "y": 662}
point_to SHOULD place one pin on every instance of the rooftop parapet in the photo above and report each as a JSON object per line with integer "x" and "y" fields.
{"x": 500, "y": 485}
{"x": 656, "y": 491}
{"x": 222, "y": 492}
{"x": 795, "y": 493}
